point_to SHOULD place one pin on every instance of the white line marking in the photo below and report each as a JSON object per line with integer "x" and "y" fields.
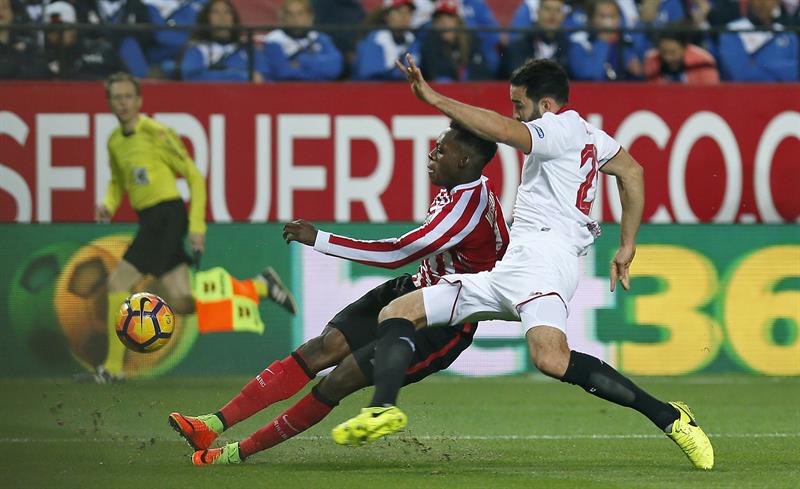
{"x": 420, "y": 437}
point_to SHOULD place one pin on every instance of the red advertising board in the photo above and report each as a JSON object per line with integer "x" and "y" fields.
{"x": 357, "y": 151}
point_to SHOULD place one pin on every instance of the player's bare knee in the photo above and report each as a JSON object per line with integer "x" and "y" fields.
{"x": 396, "y": 309}
{"x": 552, "y": 363}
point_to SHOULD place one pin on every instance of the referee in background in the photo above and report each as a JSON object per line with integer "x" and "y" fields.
{"x": 145, "y": 158}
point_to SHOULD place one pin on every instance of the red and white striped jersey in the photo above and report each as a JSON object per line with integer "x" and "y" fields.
{"x": 464, "y": 232}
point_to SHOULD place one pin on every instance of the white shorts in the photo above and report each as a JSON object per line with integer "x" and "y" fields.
{"x": 533, "y": 283}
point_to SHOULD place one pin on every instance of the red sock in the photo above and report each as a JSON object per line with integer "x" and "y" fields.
{"x": 307, "y": 412}
{"x": 281, "y": 380}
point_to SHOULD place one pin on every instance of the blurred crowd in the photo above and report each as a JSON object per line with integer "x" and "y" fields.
{"x": 684, "y": 41}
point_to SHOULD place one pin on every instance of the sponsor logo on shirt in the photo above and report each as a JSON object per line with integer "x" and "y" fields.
{"x": 539, "y": 131}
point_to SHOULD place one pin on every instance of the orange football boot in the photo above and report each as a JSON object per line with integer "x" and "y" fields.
{"x": 194, "y": 430}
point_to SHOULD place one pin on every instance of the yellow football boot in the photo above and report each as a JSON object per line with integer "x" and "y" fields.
{"x": 371, "y": 424}
{"x": 692, "y": 440}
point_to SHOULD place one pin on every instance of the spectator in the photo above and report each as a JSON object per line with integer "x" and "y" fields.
{"x": 476, "y": 13}
{"x": 473, "y": 14}
{"x": 216, "y": 52}
{"x": 451, "y": 55}
{"x": 526, "y": 15}
{"x": 298, "y": 53}
{"x": 674, "y": 59}
{"x": 340, "y": 13}
{"x": 71, "y": 56}
{"x": 541, "y": 42}
{"x": 606, "y": 55}
{"x": 17, "y": 50}
{"x": 655, "y": 12}
{"x": 759, "y": 56}
{"x": 168, "y": 43}
{"x": 129, "y": 45}
{"x": 376, "y": 54}
{"x": 651, "y": 14}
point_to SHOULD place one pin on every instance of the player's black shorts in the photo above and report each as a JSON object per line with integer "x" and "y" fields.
{"x": 435, "y": 348}
{"x": 159, "y": 244}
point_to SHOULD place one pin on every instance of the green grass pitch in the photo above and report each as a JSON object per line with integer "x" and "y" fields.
{"x": 484, "y": 433}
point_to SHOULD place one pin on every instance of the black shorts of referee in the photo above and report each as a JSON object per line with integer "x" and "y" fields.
{"x": 159, "y": 243}
{"x": 435, "y": 348}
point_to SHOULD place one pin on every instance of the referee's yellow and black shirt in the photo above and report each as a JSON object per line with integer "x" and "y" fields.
{"x": 145, "y": 164}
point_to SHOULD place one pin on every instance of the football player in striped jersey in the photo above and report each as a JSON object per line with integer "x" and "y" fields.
{"x": 464, "y": 232}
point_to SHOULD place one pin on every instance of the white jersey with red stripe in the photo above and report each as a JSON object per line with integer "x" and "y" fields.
{"x": 464, "y": 232}
{"x": 559, "y": 179}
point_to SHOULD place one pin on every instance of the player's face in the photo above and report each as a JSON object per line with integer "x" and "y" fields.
{"x": 524, "y": 108}
{"x": 124, "y": 102}
{"x": 443, "y": 161}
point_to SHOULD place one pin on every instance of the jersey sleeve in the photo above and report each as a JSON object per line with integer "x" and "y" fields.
{"x": 547, "y": 137}
{"x": 453, "y": 223}
{"x": 606, "y": 146}
{"x": 115, "y": 189}
{"x": 177, "y": 158}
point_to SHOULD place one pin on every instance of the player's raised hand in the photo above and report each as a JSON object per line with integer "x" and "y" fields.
{"x": 419, "y": 86}
{"x": 301, "y": 231}
{"x": 621, "y": 265}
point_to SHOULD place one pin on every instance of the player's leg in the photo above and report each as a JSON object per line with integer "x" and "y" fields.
{"x": 435, "y": 350}
{"x": 345, "y": 379}
{"x": 395, "y": 346}
{"x": 550, "y": 353}
{"x": 120, "y": 281}
{"x": 284, "y": 378}
{"x": 178, "y": 289}
{"x": 456, "y": 299}
{"x": 351, "y": 329}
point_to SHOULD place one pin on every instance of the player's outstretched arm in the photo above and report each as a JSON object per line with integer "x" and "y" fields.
{"x": 485, "y": 123}
{"x": 452, "y": 224}
{"x": 630, "y": 181}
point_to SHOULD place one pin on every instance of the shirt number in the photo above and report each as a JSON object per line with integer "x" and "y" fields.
{"x": 588, "y": 155}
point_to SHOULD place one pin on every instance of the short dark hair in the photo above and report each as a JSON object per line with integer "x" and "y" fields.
{"x": 121, "y": 76}
{"x": 483, "y": 149}
{"x": 591, "y": 9}
{"x": 542, "y": 78}
{"x": 675, "y": 31}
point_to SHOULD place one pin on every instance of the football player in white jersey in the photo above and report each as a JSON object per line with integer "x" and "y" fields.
{"x": 539, "y": 273}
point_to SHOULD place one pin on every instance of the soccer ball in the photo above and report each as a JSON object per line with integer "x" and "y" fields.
{"x": 145, "y": 322}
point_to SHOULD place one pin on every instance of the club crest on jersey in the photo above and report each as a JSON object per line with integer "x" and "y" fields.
{"x": 140, "y": 176}
{"x": 539, "y": 131}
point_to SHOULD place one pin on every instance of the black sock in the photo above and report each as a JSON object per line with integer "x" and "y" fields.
{"x": 393, "y": 353}
{"x": 219, "y": 415}
{"x": 598, "y": 378}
